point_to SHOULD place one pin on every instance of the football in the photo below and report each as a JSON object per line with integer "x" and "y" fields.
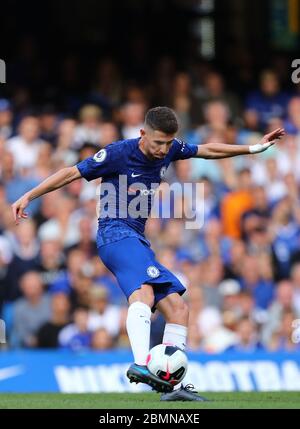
{"x": 168, "y": 363}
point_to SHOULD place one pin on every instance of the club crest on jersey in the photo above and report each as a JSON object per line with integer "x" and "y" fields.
{"x": 153, "y": 272}
{"x": 100, "y": 156}
{"x": 163, "y": 171}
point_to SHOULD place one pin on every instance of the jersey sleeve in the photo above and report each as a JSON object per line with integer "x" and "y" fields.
{"x": 182, "y": 150}
{"x": 106, "y": 162}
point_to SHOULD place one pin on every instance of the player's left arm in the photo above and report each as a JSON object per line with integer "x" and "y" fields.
{"x": 223, "y": 150}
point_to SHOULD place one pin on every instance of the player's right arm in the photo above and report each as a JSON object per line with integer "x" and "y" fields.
{"x": 55, "y": 181}
{"x": 106, "y": 162}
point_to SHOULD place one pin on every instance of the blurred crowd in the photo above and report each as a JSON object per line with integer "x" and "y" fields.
{"x": 241, "y": 269}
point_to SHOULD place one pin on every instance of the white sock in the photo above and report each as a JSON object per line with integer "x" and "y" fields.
{"x": 138, "y": 328}
{"x": 175, "y": 335}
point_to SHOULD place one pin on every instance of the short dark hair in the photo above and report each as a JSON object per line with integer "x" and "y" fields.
{"x": 162, "y": 119}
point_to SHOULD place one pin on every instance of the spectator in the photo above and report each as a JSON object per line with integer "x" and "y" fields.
{"x": 47, "y": 208}
{"x": 15, "y": 183}
{"x": 25, "y": 256}
{"x": 47, "y": 335}
{"x": 212, "y": 276}
{"x": 109, "y": 133}
{"x": 246, "y": 306}
{"x": 89, "y": 130}
{"x": 181, "y": 101}
{"x": 235, "y": 204}
{"x": 62, "y": 224}
{"x": 25, "y": 146}
{"x": 216, "y": 115}
{"x": 64, "y": 155}
{"x": 282, "y": 338}
{"x": 286, "y": 234}
{"x": 65, "y": 282}
{"x": 213, "y": 242}
{"x": 51, "y": 264}
{"x": 269, "y": 101}
{"x": 247, "y": 338}
{"x": 229, "y": 290}
{"x": 101, "y": 340}
{"x": 261, "y": 208}
{"x": 295, "y": 278}
{"x": 48, "y": 124}
{"x": 252, "y": 281}
{"x": 102, "y": 313}
{"x": 283, "y": 303}
{"x": 132, "y": 115}
{"x": 292, "y": 124}
{"x": 86, "y": 242}
{"x": 5, "y": 259}
{"x": 275, "y": 187}
{"x": 76, "y": 336}
{"x": 81, "y": 286}
{"x": 6, "y": 117}
{"x": 236, "y": 254}
{"x": 216, "y": 338}
{"x": 29, "y": 312}
{"x": 43, "y": 166}
{"x": 106, "y": 278}
{"x": 107, "y": 87}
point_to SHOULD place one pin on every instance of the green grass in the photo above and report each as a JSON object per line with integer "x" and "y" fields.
{"x": 149, "y": 401}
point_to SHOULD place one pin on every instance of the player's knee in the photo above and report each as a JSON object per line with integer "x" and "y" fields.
{"x": 179, "y": 313}
{"x": 144, "y": 295}
{"x": 147, "y": 295}
{"x": 182, "y": 308}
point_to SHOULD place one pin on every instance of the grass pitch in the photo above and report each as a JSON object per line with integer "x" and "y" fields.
{"x": 253, "y": 400}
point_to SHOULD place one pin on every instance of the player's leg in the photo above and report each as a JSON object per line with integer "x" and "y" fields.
{"x": 176, "y": 314}
{"x": 138, "y": 322}
{"x": 138, "y": 326}
{"x": 129, "y": 260}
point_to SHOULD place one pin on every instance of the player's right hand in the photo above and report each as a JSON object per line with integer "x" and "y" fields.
{"x": 268, "y": 141}
{"x": 18, "y": 208}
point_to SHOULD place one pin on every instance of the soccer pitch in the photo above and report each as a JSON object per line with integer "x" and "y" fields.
{"x": 253, "y": 400}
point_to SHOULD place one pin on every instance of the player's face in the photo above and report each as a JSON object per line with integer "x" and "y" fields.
{"x": 156, "y": 143}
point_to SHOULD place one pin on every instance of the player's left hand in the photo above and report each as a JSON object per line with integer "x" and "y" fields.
{"x": 18, "y": 208}
{"x": 268, "y": 140}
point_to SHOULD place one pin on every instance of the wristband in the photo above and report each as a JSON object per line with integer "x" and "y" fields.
{"x": 258, "y": 148}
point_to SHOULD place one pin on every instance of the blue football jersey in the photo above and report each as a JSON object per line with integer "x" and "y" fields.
{"x": 129, "y": 181}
